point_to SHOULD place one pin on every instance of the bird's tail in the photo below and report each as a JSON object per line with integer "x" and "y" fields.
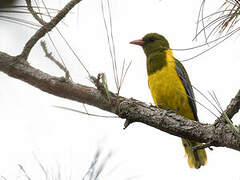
{"x": 197, "y": 158}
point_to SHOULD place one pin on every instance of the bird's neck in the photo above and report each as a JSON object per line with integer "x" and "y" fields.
{"x": 169, "y": 55}
{"x": 158, "y": 60}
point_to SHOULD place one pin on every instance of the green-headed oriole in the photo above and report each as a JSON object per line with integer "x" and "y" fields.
{"x": 171, "y": 88}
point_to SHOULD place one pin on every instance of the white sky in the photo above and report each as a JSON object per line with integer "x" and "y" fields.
{"x": 30, "y": 125}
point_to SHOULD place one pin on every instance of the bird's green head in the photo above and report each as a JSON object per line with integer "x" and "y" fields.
{"x": 152, "y": 42}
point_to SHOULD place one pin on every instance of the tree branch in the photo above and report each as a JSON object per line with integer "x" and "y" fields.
{"x": 234, "y": 106}
{"x": 217, "y": 134}
{"x": 130, "y": 109}
{"x": 230, "y": 111}
{"x": 46, "y": 28}
{"x": 34, "y": 14}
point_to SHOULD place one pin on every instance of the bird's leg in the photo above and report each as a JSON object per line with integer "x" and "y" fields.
{"x": 160, "y": 105}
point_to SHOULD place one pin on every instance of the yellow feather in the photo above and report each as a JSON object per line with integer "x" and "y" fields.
{"x": 168, "y": 92}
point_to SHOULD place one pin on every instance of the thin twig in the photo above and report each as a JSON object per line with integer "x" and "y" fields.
{"x": 228, "y": 36}
{"x": 124, "y": 73}
{"x": 194, "y": 99}
{"x": 19, "y": 21}
{"x": 18, "y": 6}
{"x": 46, "y": 28}
{"x": 89, "y": 114}
{"x": 34, "y": 14}
{"x": 97, "y": 166}
{"x": 53, "y": 59}
{"x": 228, "y": 17}
{"x": 44, "y": 170}
{"x": 198, "y": 103}
{"x": 51, "y": 40}
{"x": 68, "y": 45}
{"x": 23, "y": 170}
{"x": 110, "y": 46}
{"x": 224, "y": 114}
{"x": 3, "y": 178}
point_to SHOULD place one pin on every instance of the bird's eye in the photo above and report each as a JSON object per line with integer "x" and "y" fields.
{"x": 151, "y": 39}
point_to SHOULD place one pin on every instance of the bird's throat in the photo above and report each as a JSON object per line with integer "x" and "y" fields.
{"x": 157, "y": 60}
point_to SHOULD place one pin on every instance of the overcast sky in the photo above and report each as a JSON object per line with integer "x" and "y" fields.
{"x": 31, "y": 127}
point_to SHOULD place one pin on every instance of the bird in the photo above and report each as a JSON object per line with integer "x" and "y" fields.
{"x": 171, "y": 88}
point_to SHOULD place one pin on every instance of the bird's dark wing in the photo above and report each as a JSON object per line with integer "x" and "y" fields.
{"x": 182, "y": 73}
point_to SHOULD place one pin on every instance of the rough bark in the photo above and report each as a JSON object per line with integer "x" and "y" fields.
{"x": 217, "y": 134}
{"x": 130, "y": 109}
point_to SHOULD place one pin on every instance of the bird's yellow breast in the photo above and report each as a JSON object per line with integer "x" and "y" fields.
{"x": 167, "y": 89}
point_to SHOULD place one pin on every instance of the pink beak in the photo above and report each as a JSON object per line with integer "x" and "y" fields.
{"x": 139, "y": 42}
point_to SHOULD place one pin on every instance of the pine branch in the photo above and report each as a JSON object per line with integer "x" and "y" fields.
{"x": 218, "y": 134}
{"x": 129, "y": 109}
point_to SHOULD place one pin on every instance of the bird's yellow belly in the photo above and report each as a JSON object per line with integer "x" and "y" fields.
{"x": 168, "y": 91}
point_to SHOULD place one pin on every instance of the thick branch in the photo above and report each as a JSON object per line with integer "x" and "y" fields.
{"x": 234, "y": 106}
{"x": 130, "y": 109}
